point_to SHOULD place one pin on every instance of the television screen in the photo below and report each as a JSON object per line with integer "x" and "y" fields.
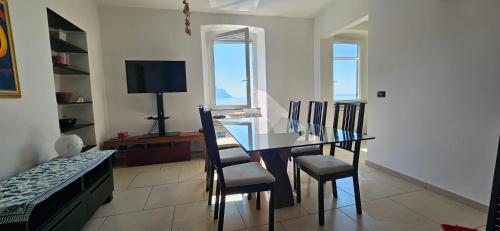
{"x": 156, "y": 76}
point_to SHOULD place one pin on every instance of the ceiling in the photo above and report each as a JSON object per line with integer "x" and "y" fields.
{"x": 285, "y": 8}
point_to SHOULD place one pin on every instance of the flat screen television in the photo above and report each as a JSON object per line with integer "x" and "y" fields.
{"x": 156, "y": 76}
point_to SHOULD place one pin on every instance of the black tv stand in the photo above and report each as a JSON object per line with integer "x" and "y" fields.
{"x": 161, "y": 118}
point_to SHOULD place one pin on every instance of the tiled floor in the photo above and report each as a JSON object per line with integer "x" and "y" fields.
{"x": 172, "y": 197}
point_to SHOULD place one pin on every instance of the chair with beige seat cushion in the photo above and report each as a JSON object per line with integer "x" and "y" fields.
{"x": 317, "y": 116}
{"x": 326, "y": 168}
{"x": 235, "y": 179}
{"x": 228, "y": 157}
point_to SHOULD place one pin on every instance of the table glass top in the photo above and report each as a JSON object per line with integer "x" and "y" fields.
{"x": 261, "y": 133}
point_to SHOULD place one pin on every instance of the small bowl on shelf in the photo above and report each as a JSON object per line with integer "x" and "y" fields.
{"x": 65, "y": 124}
{"x": 63, "y": 97}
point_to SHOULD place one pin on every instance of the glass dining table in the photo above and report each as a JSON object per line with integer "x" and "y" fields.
{"x": 273, "y": 138}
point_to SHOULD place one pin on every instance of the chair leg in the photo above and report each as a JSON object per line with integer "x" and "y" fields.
{"x": 257, "y": 202}
{"x": 221, "y": 211}
{"x": 211, "y": 184}
{"x": 357, "y": 193}
{"x": 298, "y": 190}
{"x": 294, "y": 174}
{"x": 321, "y": 208}
{"x": 216, "y": 209}
{"x": 271, "y": 210}
{"x": 207, "y": 176}
{"x": 334, "y": 188}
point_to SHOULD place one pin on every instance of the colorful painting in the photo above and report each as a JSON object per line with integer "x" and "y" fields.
{"x": 9, "y": 79}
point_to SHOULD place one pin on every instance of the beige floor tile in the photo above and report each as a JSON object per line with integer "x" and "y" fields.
{"x": 137, "y": 169}
{"x": 198, "y": 216}
{"x": 125, "y": 201}
{"x": 334, "y": 220}
{"x": 377, "y": 185}
{"x": 387, "y": 215}
{"x": 193, "y": 171}
{"x": 254, "y": 217}
{"x": 277, "y": 227}
{"x": 155, "y": 178}
{"x": 148, "y": 220}
{"x": 177, "y": 193}
{"x": 122, "y": 181}
{"x": 93, "y": 224}
{"x": 310, "y": 197}
{"x": 441, "y": 209}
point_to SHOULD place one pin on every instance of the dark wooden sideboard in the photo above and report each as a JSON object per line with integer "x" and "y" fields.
{"x": 70, "y": 207}
{"x": 144, "y": 150}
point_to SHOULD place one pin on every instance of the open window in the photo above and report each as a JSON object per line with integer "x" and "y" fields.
{"x": 346, "y": 61}
{"x": 232, "y": 70}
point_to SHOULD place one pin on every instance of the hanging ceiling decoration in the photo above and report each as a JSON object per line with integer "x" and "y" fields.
{"x": 187, "y": 21}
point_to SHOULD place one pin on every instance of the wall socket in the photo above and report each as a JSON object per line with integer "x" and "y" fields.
{"x": 380, "y": 94}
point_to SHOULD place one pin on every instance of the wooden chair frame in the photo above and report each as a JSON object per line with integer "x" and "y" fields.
{"x": 294, "y": 110}
{"x": 221, "y": 189}
{"x": 348, "y": 121}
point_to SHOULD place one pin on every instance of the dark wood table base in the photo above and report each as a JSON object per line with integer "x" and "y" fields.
{"x": 276, "y": 163}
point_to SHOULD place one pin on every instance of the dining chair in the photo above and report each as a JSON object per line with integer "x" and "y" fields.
{"x": 493, "y": 222}
{"x": 228, "y": 157}
{"x": 316, "y": 115}
{"x": 235, "y": 179}
{"x": 326, "y": 168}
{"x": 294, "y": 110}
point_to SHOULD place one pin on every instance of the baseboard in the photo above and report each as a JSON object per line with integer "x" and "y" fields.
{"x": 456, "y": 197}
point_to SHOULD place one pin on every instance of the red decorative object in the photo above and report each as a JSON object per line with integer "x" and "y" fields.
{"x": 456, "y": 228}
{"x": 187, "y": 22}
{"x": 60, "y": 59}
{"x": 122, "y": 135}
{"x": 63, "y": 97}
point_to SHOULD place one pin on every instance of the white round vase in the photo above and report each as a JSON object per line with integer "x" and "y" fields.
{"x": 69, "y": 145}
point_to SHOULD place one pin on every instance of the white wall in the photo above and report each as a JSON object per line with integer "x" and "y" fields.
{"x": 135, "y": 33}
{"x": 84, "y": 14}
{"x": 439, "y": 61}
{"x": 333, "y": 19}
{"x": 29, "y": 126}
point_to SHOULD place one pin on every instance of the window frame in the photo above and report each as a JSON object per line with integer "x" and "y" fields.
{"x": 358, "y": 68}
{"x": 251, "y": 97}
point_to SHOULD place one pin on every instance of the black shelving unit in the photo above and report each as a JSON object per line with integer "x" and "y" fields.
{"x": 88, "y": 147}
{"x": 60, "y": 69}
{"x": 58, "y": 22}
{"x": 61, "y": 46}
{"x": 76, "y": 127}
{"x": 74, "y": 103}
{"x": 68, "y": 39}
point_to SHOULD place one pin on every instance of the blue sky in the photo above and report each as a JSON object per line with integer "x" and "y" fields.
{"x": 230, "y": 68}
{"x": 345, "y": 71}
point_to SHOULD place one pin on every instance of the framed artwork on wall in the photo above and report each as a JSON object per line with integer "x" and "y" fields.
{"x": 9, "y": 78}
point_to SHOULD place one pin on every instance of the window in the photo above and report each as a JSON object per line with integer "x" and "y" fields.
{"x": 232, "y": 72}
{"x": 345, "y": 71}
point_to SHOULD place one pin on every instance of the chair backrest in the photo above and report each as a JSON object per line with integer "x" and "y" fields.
{"x": 201, "y": 109}
{"x": 211, "y": 142}
{"x": 294, "y": 110}
{"x": 494, "y": 210}
{"x": 351, "y": 121}
{"x": 317, "y": 112}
